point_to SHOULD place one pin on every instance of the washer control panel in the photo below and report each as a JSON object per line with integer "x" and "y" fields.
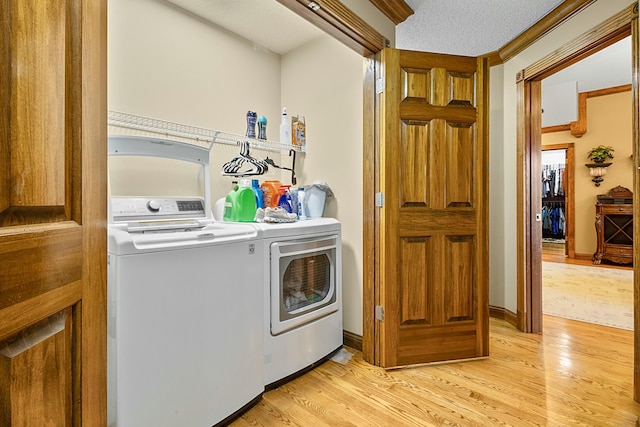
{"x": 140, "y": 208}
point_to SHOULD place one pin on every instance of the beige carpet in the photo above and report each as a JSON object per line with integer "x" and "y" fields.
{"x": 590, "y": 294}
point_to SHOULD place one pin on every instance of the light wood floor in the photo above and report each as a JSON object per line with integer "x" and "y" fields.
{"x": 554, "y": 252}
{"x": 576, "y": 374}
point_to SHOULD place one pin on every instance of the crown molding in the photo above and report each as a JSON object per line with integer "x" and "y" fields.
{"x": 396, "y": 10}
{"x": 337, "y": 20}
{"x": 557, "y": 16}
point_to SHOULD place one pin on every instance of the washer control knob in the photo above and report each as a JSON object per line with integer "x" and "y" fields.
{"x": 153, "y": 205}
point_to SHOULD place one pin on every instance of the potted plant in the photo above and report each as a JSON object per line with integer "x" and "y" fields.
{"x": 600, "y": 153}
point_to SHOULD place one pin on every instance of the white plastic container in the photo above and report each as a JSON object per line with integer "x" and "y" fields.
{"x": 314, "y": 200}
{"x": 285, "y": 128}
{"x": 302, "y": 204}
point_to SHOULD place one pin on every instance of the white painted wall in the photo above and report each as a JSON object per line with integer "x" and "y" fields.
{"x": 559, "y": 103}
{"x": 368, "y": 12}
{"x": 323, "y": 80}
{"x": 498, "y": 239}
{"x": 170, "y": 65}
{"x": 503, "y": 143}
{"x": 166, "y": 64}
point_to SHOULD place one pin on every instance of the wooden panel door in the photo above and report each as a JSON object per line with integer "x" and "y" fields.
{"x": 53, "y": 213}
{"x": 432, "y": 165}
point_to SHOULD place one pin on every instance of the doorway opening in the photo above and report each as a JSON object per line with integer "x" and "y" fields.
{"x": 557, "y": 197}
{"x": 529, "y": 87}
{"x": 529, "y": 120}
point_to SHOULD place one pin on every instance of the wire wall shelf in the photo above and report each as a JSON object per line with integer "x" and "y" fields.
{"x": 202, "y": 137}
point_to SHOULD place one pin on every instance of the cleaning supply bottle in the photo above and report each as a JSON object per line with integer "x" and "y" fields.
{"x": 258, "y": 192}
{"x": 229, "y": 203}
{"x": 284, "y": 201}
{"x": 251, "y": 124}
{"x": 246, "y": 203}
{"x": 240, "y": 203}
{"x": 302, "y": 132}
{"x": 270, "y": 193}
{"x": 301, "y": 204}
{"x": 262, "y": 127}
{"x": 285, "y": 128}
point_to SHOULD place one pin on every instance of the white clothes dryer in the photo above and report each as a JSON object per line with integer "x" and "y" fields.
{"x": 303, "y": 298}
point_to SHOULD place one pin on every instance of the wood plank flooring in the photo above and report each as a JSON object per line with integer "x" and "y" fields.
{"x": 575, "y": 374}
{"x": 554, "y": 252}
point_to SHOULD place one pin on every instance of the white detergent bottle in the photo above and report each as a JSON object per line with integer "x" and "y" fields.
{"x": 285, "y": 128}
{"x": 302, "y": 215}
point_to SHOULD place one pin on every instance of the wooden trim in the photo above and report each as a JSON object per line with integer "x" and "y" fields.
{"x": 579, "y": 127}
{"x": 369, "y": 139}
{"x": 396, "y": 10}
{"x": 635, "y": 81}
{"x": 482, "y": 129}
{"x": 557, "y": 128}
{"x": 583, "y": 257}
{"x": 608, "y": 91}
{"x": 494, "y": 58}
{"x": 352, "y": 340}
{"x": 607, "y": 33}
{"x": 560, "y": 14}
{"x": 503, "y": 314}
{"x": 92, "y": 134}
{"x": 522, "y": 238}
{"x": 529, "y": 203}
{"x": 335, "y": 19}
{"x": 534, "y": 184}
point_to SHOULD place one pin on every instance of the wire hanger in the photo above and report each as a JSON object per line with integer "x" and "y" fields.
{"x": 292, "y": 169}
{"x": 233, "y": 166}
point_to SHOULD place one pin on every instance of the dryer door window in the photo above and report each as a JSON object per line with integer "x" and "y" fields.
{"x": 303, "y": 282}
{"x": 306, "y": 282}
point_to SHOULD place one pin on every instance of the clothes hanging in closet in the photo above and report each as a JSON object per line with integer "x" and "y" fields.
{"x": 553, "y": 220}
{"x": 553, "y": 180}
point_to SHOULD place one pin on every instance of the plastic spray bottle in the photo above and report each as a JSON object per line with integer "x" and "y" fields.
{"x": 285, "y": 128}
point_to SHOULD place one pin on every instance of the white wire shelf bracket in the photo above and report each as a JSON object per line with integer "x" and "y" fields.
{"x": 196, "y": 135}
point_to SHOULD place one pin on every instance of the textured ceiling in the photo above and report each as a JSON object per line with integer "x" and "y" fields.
{"x": 468, "y": 27}
{"x": 463, "y": 27}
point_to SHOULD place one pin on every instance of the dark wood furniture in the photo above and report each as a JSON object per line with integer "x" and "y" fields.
{"x": 614, "y": 226}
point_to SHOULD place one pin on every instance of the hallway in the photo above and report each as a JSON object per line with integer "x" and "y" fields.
{"x": 579, "y": 290}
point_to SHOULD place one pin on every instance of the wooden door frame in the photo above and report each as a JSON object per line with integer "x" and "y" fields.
{"x": 569, "y": 195}
{"x": 529, "y": 96}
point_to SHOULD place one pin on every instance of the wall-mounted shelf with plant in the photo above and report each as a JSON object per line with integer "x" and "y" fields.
{"x": 598, "y": 155}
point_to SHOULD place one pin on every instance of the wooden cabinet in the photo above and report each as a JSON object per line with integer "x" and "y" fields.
{"x": 614, "y": 226}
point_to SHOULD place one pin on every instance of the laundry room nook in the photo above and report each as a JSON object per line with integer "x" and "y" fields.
{"x": 254, "y": 290}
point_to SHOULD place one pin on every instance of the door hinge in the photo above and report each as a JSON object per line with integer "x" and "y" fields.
{"x": 379, "y": 200}
{"x": 379, "y": 86}
{"x": 380, "y": 313}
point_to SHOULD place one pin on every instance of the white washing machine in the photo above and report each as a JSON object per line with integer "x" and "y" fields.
{"x": 186, "y": 301}
{"x": 303, "y": 298}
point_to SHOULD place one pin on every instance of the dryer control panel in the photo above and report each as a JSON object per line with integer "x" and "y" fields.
{"x": 142, "y": 208}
